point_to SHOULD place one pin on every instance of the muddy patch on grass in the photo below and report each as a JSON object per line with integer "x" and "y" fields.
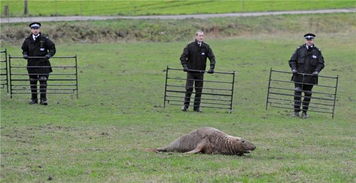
{"x": 28, "y": 134}
{"x": 17, "y": 135}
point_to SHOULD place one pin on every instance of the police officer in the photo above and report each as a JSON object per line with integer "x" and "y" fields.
{"x": 193, "y": 60}
{"x": 38, "y": 45}
{"x": 306, "y": 63}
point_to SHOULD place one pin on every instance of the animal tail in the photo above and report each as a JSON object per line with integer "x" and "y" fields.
{"x": 151, "y": 150}
{"x": 156, "y": 150}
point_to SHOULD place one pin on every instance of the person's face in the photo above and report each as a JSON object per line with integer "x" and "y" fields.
{"x": 199, "y": 36}
{"x": 35, "y": 31}
{"x": 309, "y": 42}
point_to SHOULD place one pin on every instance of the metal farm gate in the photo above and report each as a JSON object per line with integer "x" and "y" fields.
{"x": 63, "y": 79}
{"x": 218, "y": 89}
{"x": 4, "y": 77}
{"x": 280, "y": 92}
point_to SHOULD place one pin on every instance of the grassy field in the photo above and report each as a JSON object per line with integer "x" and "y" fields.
{"x": 101, "y": 137}
{"x": 159, "y": 7}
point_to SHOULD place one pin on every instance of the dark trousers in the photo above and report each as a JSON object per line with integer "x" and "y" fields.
{"x": 299, "y": 88}
{"x": 196, "y": 79}
{"x": 42, "y": 78}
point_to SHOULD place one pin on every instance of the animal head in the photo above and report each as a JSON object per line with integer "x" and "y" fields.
{"x": 242, "y": 146}
{"x": 247, "y": 146}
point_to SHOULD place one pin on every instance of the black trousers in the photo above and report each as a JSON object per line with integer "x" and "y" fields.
{"x": 42, "y": 79}
{"x": 196, "y": 79}
{"x": 299, "y": 88}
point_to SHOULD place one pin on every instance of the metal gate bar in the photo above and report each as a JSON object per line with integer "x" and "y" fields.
{"x": 205, "y": 106}
{"x": 288, "y": 100}
{"x": 180, "y": 86}
{"x": 216, "y": 96}
{"x": 212, "y": 99}
{"x": 65, "y": 80}
{"x": 322, "y": 101}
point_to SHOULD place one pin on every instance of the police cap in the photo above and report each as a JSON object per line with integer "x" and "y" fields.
{"x": 35, "y": 25}
{"x": 309, "y": 36}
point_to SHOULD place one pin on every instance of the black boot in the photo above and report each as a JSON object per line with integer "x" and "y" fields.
{"x": 184, "y": 108}
{"x": 305, "y": 115}
{"x": 33, "y": 101}
{"x": 43, "y": 102}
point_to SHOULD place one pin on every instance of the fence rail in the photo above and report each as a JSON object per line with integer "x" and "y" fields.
{"x": 280, "y": 92}
{"x": 218, "y": 88}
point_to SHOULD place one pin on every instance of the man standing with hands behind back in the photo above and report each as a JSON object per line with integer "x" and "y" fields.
{"x": 38, "y": 45}
{"x": 306, "y": 63}
{"x": 193, "y": 60}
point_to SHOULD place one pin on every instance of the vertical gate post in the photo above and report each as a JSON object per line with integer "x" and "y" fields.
{"x": 232, "y": 90}
{"x": 165, "y": 88}
{"x": 337, "y": 83}
{"x": 7, "y": 72}
{"x": 10, "y": 80}
{"x": 76, "y": 74}
{"x": 269, "y": 85}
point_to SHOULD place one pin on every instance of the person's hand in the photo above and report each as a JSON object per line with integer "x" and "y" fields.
{"x": 25, "y": 56}
{"x": 315, "y": 73}
{"x": 294, "y": 71}
{"x": 48, "y": 56}
{"x": 185, "y": 68}
{"x": 210, "y": 71}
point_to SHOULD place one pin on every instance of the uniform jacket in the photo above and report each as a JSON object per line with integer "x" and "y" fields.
{"x": 306, "y": 61}
{"x": 41, "y": 47}
{"x": 194, "y": 56}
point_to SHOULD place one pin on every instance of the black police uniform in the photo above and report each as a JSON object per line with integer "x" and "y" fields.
{"x": 38, "y": 68}
{"x": 194, "y": 57}
{"x": 305, "y": 60}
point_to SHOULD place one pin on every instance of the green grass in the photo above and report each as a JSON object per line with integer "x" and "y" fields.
{"x": 101, "y": 137}
{"x": 161, "y": 7}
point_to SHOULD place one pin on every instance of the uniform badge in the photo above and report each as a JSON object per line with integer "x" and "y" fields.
{"x": 42, "y": 49}
{"x": 314, "y": 56}
{"x": 202, "y": 53}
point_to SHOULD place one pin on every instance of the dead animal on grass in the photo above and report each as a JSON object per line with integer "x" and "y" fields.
{"x": 208, "y": 141}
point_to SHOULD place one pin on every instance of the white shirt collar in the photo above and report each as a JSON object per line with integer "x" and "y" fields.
{"x": 309, "y": 46}
{"x": 35, "y": 37}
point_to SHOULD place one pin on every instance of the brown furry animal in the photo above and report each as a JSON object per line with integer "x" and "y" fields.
{"x": 209, "y": 141}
